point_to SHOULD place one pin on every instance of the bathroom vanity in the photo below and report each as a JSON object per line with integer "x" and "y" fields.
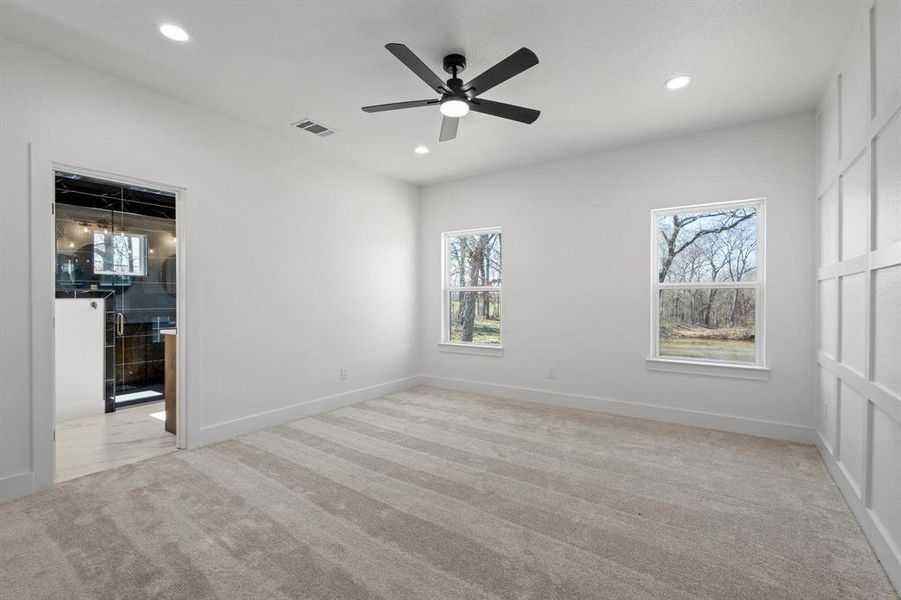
{"x": 171, "y": 378}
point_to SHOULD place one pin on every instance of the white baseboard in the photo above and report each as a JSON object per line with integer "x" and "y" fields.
{"x": 653, "y": 412}
{"x": 229, "y": 429}
{"x": 67, "y": 413}
{"x": 14, "y": 486}
{"x": 889, "y": 556}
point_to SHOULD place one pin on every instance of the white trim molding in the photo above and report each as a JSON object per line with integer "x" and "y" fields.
{"x": 270, "y": 418}
{"x": 478, "y": 349}
{"x": 447, "y": 289}
{"x": 16, "y": 486}
{"x": 640, "y": 410}
{"x": 689, "y": 367}
{"x": 886, "y": 552}
{"x": 68, "y": 413}
{"x": 757, "y": 284}
{"x": 43, "y": 162}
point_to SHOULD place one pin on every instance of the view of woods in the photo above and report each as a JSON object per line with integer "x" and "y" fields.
{"x": 474, "y": 261}
{"x": 715, "y": 323}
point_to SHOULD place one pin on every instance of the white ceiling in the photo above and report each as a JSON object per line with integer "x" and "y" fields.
{"x": 272, "y": 62}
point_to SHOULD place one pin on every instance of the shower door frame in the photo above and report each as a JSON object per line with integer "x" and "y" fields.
{"x": 43, "y": 292}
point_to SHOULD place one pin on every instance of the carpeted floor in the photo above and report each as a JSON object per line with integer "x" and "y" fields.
{"x": 430, "y": 494}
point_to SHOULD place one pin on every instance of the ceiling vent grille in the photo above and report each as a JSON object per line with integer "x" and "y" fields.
{"x": 313, "y": 127}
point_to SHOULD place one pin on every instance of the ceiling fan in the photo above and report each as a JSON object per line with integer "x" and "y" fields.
{"x": 458, "y": 98}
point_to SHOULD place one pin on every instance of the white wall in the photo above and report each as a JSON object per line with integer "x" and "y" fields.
{"x": 859, "y": 277}
{"x": 576, "y": 276}
{"x": 276, "y": 236}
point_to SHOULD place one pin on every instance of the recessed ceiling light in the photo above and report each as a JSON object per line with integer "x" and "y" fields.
{"x": 421, "y": 150}
{"x": 677, "y": 83}
{"x": 174, "y": 32}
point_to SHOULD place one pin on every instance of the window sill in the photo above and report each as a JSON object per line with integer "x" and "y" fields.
{"x": 689, "y": 367}
{"x": 477, "y": 349}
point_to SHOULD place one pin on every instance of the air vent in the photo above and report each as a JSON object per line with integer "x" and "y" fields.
{"x": 313, "y": 127}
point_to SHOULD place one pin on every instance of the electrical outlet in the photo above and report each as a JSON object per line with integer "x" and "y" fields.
{"x": 552, "y": 373}
{"x": 343, "y": 373}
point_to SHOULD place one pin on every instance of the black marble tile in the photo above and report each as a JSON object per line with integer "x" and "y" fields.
{"x": 87, "y": 200}
{"x": 155, "y": 372}
{"x": 130, "y": 375}
{"x": 148, "y": 295}
{"x": 109, "y": 387}
{"x": 148, "y": 318}
{"x": 140, "y": 374}
{"x": 149, "y": 210}
{"x": 149, "y": 196}
{"x": 109, "y": 358}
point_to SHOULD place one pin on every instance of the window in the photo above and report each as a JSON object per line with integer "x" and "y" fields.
{"x": 116, "y": 254}
{"x": 472, "y": 288}
{"x": 707, "y": 283}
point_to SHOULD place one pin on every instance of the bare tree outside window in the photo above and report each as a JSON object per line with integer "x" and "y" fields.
{"x": 473, "y": 287}
{"x": 707, "y": 285}
{"x": 120, "y": 254}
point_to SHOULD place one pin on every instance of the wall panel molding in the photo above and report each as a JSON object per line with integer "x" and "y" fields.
{"x": 887, "y": 552}
{"x": 887, "y": 401}
{"x": 851, "y": 462}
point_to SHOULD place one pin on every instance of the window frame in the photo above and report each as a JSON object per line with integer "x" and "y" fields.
{"x": 446, "y": 289}
{"x": 759, "y": 285}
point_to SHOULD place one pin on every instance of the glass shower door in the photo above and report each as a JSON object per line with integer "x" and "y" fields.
{"x": 118, "y": 243}
{"x": 146, "y": 302}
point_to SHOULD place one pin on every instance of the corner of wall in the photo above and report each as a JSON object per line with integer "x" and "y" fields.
{"x": 420, "y": 199}
{"x": 15, "y": 486}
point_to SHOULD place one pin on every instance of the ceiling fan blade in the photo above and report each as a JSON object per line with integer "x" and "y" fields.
{"x": 505, "y": 111}
{"x": 406, "y": 56}
{"x": 448, "y": 128}
{"x": 398, "y": 105}
{"x": 511, "y": 66}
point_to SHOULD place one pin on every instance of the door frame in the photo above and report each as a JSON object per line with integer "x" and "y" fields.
{"x": 43, "y": 296}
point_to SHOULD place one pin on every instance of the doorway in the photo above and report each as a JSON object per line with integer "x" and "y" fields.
{"x": 116, "y": 302}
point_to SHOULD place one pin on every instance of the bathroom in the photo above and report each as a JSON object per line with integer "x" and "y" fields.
{"x": 116, "y": 293}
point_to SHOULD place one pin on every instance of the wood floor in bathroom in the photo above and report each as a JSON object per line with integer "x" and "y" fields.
{"x": 102, "y": 442}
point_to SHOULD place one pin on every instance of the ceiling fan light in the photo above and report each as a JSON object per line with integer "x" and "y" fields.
{"x": 454, "y": 107}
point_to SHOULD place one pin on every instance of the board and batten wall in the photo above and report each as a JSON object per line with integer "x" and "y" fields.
{"x": 859, "y": 278}
{"x": 577, "y": 272}
{"x": 276, "y": 234}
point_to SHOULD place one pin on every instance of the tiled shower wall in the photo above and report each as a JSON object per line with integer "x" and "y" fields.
{"x": 859, "y": 277}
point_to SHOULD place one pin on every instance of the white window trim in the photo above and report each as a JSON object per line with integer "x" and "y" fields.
{"x": 758, "y": 369}
{"x": 446, "y": 344}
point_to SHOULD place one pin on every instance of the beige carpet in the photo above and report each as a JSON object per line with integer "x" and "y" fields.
{"x": 429, "y": 494}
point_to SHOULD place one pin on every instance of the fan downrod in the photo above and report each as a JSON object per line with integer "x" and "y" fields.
{"x": 454, "y": 63}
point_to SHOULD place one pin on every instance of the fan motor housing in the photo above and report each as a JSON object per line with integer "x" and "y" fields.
{"x": 454, "y": 63}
